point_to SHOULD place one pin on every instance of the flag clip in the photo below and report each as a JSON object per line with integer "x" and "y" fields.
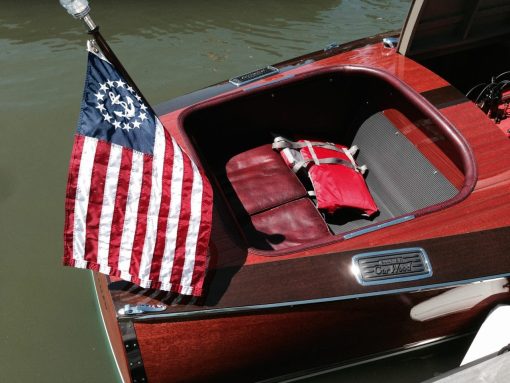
{"x": 93, "y": 48}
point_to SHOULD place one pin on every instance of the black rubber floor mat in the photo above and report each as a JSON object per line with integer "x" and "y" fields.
{"x": 400, "y": 178}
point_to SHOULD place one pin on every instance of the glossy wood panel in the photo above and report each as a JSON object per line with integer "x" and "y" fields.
{"x": 454, "y": 258}
{"x": 467, "y": 240}
{"x": 269, "y": 344}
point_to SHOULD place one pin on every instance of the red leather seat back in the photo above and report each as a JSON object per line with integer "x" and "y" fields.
{"x": 261, "y": 179}
{"x": 291, "y": 224}
{"x": 280, "y": 212}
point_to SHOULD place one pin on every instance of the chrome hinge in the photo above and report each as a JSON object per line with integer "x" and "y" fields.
{"x": 140, "y": 309}
{"x": 331, "y": 46}
{"x": 390, "y": 42}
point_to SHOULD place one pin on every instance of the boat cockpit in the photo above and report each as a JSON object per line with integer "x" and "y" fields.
{"x": 417, "y": 162}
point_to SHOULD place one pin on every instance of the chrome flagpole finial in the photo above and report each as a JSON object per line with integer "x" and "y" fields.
{"x": 79, "y": 9}
{"x": 76, "y": 8}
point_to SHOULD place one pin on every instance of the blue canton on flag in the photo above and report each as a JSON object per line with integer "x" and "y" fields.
{"x": 112, "y": 111}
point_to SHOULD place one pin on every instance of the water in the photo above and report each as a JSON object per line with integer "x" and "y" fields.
{"x": 49, "y": 325}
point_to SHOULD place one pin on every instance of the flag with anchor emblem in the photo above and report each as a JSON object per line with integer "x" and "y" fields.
{"x": 137, "y": 207}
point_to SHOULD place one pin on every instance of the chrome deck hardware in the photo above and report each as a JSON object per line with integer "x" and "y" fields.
{"x": 140, "y": 309}
{"x": 390, "y": 42}
{"x": 331, "y": 46}
{"x": 253, "y": 76}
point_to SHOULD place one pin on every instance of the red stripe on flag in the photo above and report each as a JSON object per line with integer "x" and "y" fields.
{"x": 184, "y": 218}
{"x": 163, "y": 211}
{"x": 119, "y": 211}
{"x": 96, "y": 199}
{"x": 200, "y": 267}
{"x": 72, "y": 181}
{"x": 141, "y": 223}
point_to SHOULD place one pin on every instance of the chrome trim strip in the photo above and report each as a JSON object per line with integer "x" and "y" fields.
{"x": 254, "y": 308}
{"x": 390, "y": 42}
{"x": 427, "y": 272}
{"x": 378, "y": 227}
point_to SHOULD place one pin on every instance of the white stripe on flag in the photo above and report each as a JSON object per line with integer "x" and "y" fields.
{"x": 151, "y": 232}
{"x": 173, "y": 218}
{"x": 105, "y": 222}
{"x": 129, "y": 227}
{"x": 81, "y": 201}
{"x": 194, "y": 227}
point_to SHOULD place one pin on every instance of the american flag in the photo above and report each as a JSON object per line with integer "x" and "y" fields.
{"x": 137, "y": 207}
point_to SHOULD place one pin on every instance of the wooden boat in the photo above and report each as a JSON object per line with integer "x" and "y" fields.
{"x": 292, "y": 291}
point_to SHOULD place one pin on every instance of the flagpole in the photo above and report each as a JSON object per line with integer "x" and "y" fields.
{"x": 80, "y": 9}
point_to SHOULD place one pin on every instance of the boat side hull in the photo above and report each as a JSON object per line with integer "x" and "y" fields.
{"x": 276, "y": 342}
{"x": 269, "y": 316}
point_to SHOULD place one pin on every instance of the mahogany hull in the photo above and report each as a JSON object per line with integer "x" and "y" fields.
{"x": 295, "y": 341}
{"x": 275, "y": 321}
{"x": 266, "y": 316}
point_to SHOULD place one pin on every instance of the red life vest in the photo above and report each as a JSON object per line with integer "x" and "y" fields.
{"x": 336, "y": 178}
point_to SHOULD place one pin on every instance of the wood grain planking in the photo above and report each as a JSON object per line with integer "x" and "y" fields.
{"x": 255, "y": 347}
{"x": 453, "y": 259}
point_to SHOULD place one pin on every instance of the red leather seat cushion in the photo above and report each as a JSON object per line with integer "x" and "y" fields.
{"x": 291, "y": 224}
{"x": 261, "y": 179}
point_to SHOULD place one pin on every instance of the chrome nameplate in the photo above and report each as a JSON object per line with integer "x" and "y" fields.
{"x": 253, "y": 76}
{"x": 391, "y": 266}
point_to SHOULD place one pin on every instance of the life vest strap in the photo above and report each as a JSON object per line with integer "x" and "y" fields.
{"x": 282, "y": 143}
{"x": 325, "y": 161}
{"x": 334, "y": 186}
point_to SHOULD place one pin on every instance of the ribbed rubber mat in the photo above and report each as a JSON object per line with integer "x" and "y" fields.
{"x": 400, "y": 178}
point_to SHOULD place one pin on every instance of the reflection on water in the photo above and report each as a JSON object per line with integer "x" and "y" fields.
{"x": 156, "y": 19}
{"x": 50, "y": 329}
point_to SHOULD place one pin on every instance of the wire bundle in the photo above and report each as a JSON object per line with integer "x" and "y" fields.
{"x": 490, "y": 97}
